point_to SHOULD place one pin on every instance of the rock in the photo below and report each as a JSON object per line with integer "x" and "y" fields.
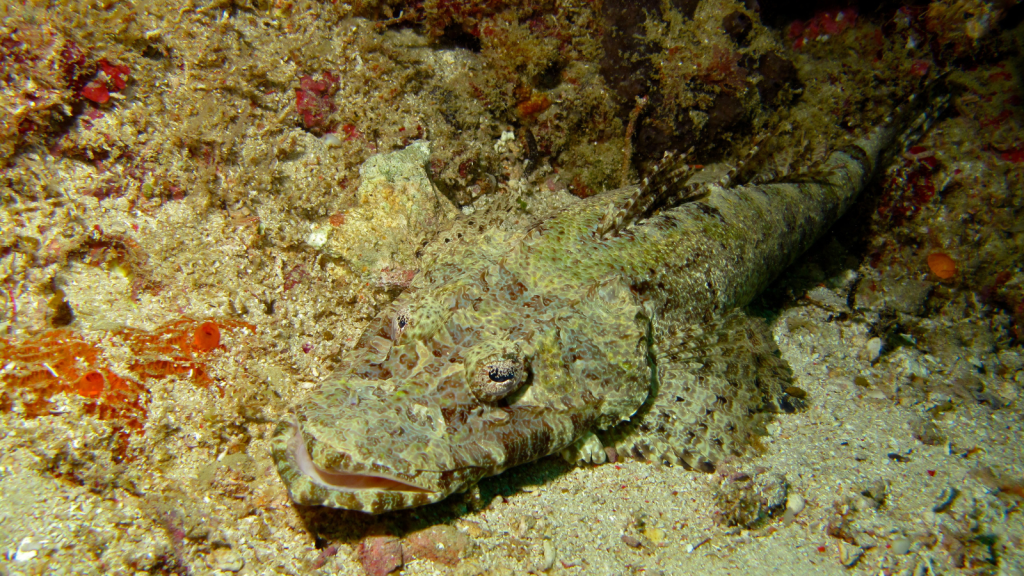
{"x": 549, "y": 556}
{"x": 444, "y": 544}
{"x": 794, "y": 505}
{"x": 381, "y": 555}
{"x": 906, "y": 295}
{"x": 900, "y": 545}
{"x": 745, "y": 501}
{"x": 873, "y": 349}
{"x": 849, "y": 554}
{"x": 396, "y": 208}
{"x": 226, "y": 560}
{"x": 827, "y": 299}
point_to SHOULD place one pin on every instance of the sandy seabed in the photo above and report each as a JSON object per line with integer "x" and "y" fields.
{"x": 219, "y": 181}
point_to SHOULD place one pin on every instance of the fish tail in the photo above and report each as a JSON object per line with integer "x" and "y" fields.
{"x": 904, "y": 126}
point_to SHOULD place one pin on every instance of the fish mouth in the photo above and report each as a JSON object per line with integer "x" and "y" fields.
{"x": 342, "y": 480}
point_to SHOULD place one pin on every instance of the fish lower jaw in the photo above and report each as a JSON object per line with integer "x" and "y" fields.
{"x": 342, "y": 480}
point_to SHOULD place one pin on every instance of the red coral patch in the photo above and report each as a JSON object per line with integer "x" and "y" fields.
{"x": 96, "y": 91}
{"x": 313, "y": 101}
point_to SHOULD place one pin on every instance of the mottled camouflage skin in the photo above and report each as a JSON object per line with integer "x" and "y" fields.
{"x": 512, "y": 345}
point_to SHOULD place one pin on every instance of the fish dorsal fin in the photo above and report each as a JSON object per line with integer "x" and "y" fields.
{"x": 669, "y": 186}
{"x": 666, "y": 185}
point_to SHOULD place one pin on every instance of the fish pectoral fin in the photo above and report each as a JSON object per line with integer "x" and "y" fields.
{"x": 717, "y": 385}
{"x": 588, "y": 449}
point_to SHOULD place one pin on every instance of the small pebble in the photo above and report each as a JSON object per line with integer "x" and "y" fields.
{"x": 849, "y": 554}
{"x": 946, "y": 498}
{"x": 630, "y": 541}
{"x": 226, "y": 559}
{"x": 900, "y": 545}
{"x": 549, "y": 556}
{"x": 27, "y": 549}
{"x": 794, "y": 505}
{"x": 873, "y": 349}
{"x": 655, "y": 535}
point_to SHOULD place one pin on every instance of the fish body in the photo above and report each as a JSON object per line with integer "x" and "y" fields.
{"x": 599, "y": 328}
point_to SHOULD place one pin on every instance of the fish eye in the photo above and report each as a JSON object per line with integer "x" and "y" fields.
{"x": 399, "y": 323}
{"x": 418, "y": 318}
{"x": 501, "y": 372}
{"x": 495, "y": 370}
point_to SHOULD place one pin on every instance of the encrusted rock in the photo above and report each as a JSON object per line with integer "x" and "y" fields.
{"x": 226, "y": 560}
{"x": 381, "y": 555}
{"x": 829, "y": 300}
{"x": 396, "y": 207}
{"x": 444, "y": 544}
{"x": 745, "y": 501}
{"x": 905, "y": 295}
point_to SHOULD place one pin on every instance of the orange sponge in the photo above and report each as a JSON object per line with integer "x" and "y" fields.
{"x": 942, "y": 265}
{"x": 64, "y": 361}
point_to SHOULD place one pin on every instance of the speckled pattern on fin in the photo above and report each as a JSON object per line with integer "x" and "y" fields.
{"x": 717, "y": 384}
{"x": 672, "y": 184}
{"x": 667, "y": 182}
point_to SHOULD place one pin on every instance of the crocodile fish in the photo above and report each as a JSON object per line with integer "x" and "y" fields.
{"x": 615, "y": 324}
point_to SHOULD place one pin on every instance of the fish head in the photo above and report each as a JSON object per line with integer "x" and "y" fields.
{"x": 456, "y": 382}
